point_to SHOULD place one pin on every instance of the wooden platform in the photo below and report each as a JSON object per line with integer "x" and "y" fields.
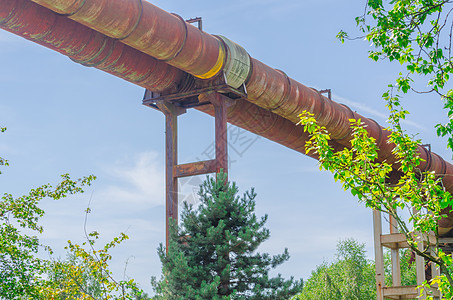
{"x": 396, "y": 241}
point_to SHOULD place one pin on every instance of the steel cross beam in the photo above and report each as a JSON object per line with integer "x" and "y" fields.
{"x": 174, "y": 170}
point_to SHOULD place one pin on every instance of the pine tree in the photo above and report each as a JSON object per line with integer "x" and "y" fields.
{"x": 212, "y": 255}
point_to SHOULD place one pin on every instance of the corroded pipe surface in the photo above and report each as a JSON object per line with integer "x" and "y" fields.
{"x": 85, "y": 45}
{"x": 273, "y": 90}
{"x": 264, "y": 123}
{"x": 150, "y": 29}
{"x": 91, "y": 48}
{"x": 147, "y": 28}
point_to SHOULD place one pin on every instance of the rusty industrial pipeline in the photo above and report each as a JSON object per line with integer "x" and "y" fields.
{"x": 145, "y": 27}
{"x": 137, "y": 30}
{"x": 85, "y": 45}
{"x": 94, "y": 49}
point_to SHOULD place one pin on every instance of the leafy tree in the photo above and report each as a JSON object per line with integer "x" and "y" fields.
{"x": 20, "y": 268}
{"x": 86, "y": 275}
{"x": 65, "y": 284}
{"x": 212, "y": 255}
{"x": 142, "y": 296}
{"x": 370, "y": 180}
{"x": 23, "y": 275}
{"x": 350, "y": 276}
{"x": 418, "y": 35}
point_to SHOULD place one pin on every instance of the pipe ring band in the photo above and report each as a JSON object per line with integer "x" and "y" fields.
{"x": 76, "y": 10}
{"x": 287, "y": 93}
{"x": 323, "y": 103}
{"x": 429, "y": 159}
{"x": 351, "y": 114}
{"x": 87, "y": 62}
{"x": 136, "y": 23}
{"x": 183, "y": 43}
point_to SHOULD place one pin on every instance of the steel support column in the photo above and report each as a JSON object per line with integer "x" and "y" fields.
{"x": 221, "y": 139}
{"x": 171, "y": 112}
{"x": 173, "y": 169}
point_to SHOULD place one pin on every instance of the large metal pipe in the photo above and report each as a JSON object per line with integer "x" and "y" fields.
{"x": 160, "y": 34}
{"x": 146, "y": 27}
{"x": 150, "y": 29}
{"x": 269, "y": 89}
{"x": 264, "y": 123}
{"x": 86, "y": 46}
{"x": 273, "y": 90}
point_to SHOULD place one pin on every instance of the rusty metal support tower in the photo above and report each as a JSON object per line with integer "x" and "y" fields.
{"x": 175, "y": 104}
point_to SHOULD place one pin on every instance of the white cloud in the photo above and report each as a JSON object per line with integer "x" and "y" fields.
{"x": 140, "y": 183}
{"x": 128, "y": 202}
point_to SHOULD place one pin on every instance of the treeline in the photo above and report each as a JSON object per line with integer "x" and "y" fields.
{"x": 352, "y": 276}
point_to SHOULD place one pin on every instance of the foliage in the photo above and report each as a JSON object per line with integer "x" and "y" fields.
{"x": 23, "y": 275}
{"x": 419, "y": 35}
{"x": 65, "y": 277}
{"x": 213, "y": 254}
{"x": 350, "y": 276}
{"x": 20, "y": 268}
{"x": 86, "y": 274}
{"x": 407, "y": 265}
{"x": 371, "y": 180}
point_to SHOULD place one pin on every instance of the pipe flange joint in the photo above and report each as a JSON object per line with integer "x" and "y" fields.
{"x": 237, "y": 65}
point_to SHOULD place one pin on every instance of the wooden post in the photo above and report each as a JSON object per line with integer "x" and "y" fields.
{"x": 171, "y": 152}
{"x": 395, "y": 241}
{"x": 378, "y": 255}
{"x": 435, "y": 271}
{"x": 396, "y": 267}
{"x": 420, "y": 267}
{"x": 419, "y": 260}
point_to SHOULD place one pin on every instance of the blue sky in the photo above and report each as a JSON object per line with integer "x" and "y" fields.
{"x": 63, "y": 117}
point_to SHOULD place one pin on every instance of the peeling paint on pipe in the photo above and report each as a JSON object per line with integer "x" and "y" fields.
{"x": 146, "y": 27}
{"x": 85, "y": 45}
{"x": 93, "y": 49}
{"x": 264, "y": 123}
